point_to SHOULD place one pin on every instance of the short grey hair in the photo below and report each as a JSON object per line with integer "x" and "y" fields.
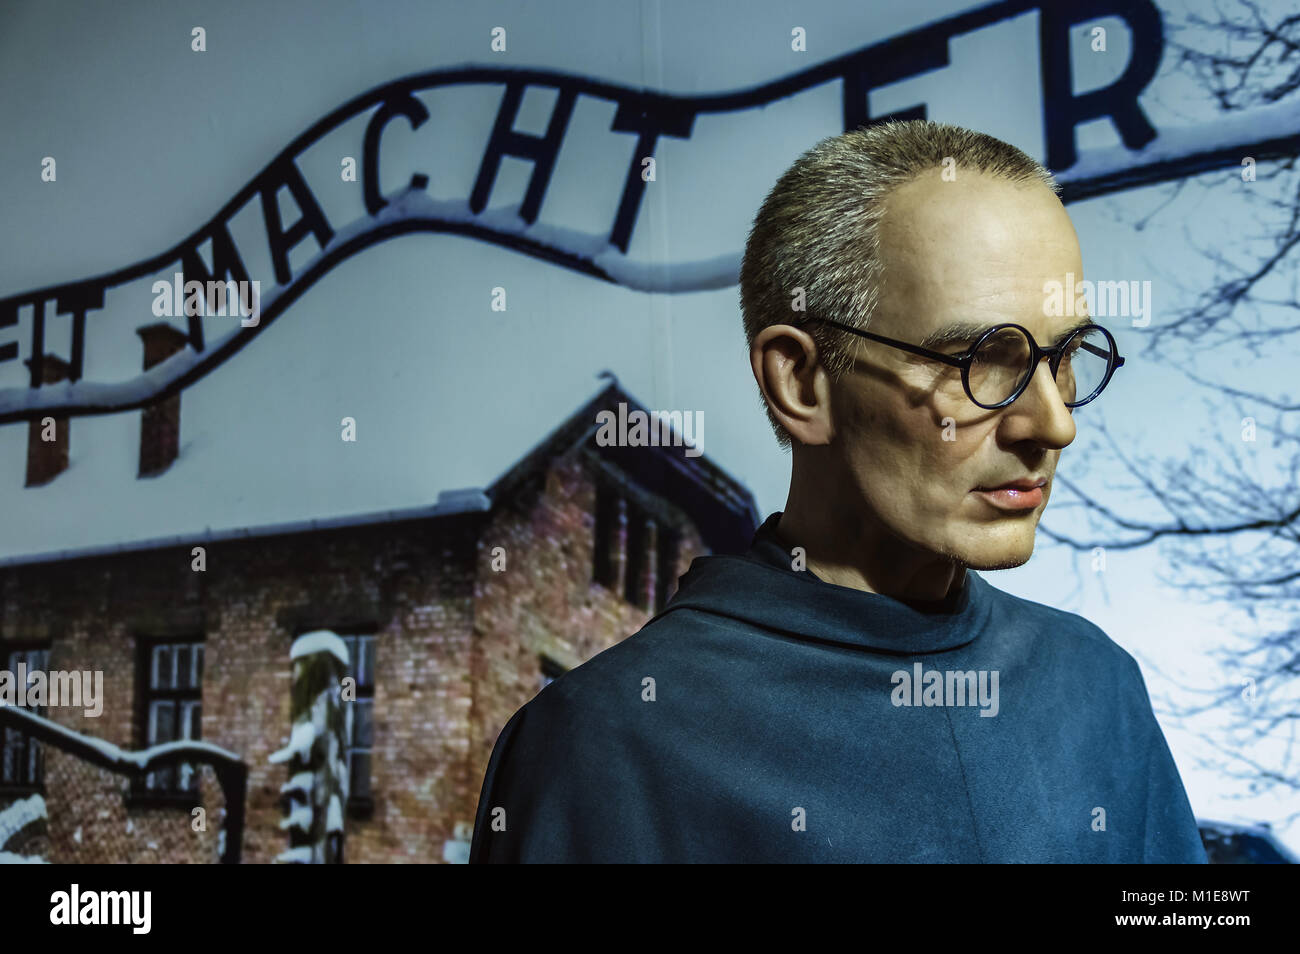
{"x": 818, "y": 229}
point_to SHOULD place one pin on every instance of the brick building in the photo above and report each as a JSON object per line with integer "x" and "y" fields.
{"x": 455, "y": 615}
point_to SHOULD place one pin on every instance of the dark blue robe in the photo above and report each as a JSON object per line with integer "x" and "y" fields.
{"x": 769, "y": 716}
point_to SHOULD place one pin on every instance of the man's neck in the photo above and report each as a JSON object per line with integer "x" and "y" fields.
{"x": 863, "y": 554}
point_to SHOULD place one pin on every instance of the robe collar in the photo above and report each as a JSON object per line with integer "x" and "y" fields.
{"x": 761, "y": 588}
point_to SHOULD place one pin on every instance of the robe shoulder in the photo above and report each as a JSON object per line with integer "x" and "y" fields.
{"x": 1109, "y": 677}
{"x": 1075, "y": 644}
{"x": 575, "y": 763}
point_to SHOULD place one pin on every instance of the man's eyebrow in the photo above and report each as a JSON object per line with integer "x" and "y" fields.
{"x": 958, "y": 332}
{"x": 965, "y": 332}
{"x": 1081, "y": 323}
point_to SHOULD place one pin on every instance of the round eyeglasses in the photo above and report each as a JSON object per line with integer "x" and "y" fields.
{"x": 998, "y": 367}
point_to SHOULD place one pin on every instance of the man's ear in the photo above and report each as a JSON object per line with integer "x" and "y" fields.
{"x": 794, "y": 384}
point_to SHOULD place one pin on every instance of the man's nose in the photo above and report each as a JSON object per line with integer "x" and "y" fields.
{"x": 1040, "y": 413}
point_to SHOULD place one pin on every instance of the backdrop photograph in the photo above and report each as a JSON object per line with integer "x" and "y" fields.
{"x": 649, "y": 432}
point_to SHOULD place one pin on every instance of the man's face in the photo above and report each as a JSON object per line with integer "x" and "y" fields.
{"x": 972, "y": 250}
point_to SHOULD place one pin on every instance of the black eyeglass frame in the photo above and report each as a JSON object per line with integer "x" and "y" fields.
{"x": 964, "y": 359}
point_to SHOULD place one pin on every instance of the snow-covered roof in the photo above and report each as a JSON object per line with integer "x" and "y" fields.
{"x": 151, "y": 512}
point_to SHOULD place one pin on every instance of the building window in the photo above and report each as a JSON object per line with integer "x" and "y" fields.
{"x": 21, "y": 762}
{"x": 173, "y": 709}
{"x": 609, "y": 522}
{"x": 550, "y": 671}
{"x": 669, "y": 546}
{"x": 360, "y": 743}
{"x": 645, "y": 570}
{"x": 636, "y": 585}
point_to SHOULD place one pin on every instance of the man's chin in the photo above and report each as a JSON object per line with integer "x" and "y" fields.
{"x": 994, "y": 554}
{"x": 1006, "y": 563}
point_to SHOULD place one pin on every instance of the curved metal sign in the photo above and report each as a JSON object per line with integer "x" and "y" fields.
{"x": 646, "y": 115}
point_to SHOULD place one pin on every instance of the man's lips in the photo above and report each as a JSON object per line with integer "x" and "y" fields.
{"x": 1025, "y": 494}
{"x": 1025, "y": 483}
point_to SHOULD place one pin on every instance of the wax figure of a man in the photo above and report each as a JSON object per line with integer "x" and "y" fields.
{"x": 851, "y": 689}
